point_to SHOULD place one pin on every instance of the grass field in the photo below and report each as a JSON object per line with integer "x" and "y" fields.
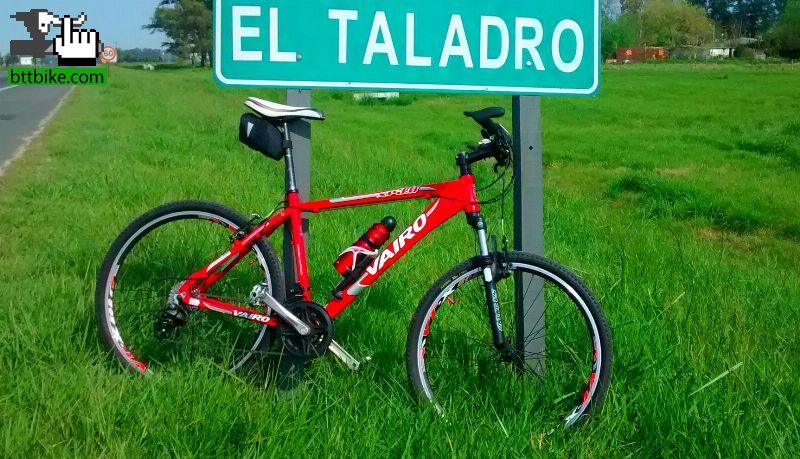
{"x": 675, "y": 194}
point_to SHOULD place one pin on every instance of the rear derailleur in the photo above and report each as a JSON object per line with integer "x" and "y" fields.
{"x": 172, "y": 319}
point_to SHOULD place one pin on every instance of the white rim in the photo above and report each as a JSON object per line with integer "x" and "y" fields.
{"x": 116, "y": 337}
{"x": 457, "y": 282}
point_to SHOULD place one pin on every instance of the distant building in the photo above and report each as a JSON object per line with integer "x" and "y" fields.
{"x": 719, "y": 50}
{"x": 649, "y": 53}
{"x": 725, "y": 52}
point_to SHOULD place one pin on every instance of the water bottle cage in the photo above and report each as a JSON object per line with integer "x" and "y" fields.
{"x": 352, "y": 275}
{"x": 356, "y": 250}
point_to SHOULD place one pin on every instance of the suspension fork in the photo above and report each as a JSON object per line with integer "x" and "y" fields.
{"x": 475, "y": 219}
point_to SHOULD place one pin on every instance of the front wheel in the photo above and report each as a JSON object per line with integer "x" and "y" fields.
{"x": 557, "y": 361}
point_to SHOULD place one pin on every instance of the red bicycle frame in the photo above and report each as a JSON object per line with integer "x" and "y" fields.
{"x": 448, "y": 199}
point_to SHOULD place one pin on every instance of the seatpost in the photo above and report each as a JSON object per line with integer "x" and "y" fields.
{"x": 291, "y": 183}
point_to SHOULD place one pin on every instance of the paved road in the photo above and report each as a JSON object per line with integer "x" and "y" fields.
{"x": 22, "y": 109}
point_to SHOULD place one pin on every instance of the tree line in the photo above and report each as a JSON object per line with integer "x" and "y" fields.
{"x": 188, "y": 27}
{"x": 669, "y": 23}
{"x": 139, "y": 55}
{"x": 676, "y": 23}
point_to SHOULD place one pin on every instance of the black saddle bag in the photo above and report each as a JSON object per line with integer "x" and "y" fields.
{"x": 261, "y": 135}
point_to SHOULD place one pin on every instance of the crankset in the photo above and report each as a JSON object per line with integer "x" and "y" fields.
{"x": 316, "y": 342}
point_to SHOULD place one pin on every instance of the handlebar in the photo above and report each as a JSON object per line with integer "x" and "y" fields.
{"x": 497, "y": 141}
{"x": 498, "y": 148}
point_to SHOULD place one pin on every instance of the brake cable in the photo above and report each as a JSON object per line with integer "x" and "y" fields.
{"x": 506, "y": 187}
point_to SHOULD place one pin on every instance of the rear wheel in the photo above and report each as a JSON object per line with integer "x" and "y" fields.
{"x": 146, "y": 264}
{"x": 558, "y": 364}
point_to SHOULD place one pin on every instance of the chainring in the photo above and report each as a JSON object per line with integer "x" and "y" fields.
{"x": 317, "y": 341}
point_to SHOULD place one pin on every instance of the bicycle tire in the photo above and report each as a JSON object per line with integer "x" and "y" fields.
{"x": 156, "y": 219}
{"x": 465, "y": 350}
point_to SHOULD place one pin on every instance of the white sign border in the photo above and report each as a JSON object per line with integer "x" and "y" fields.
{"x": 402, "y": 86}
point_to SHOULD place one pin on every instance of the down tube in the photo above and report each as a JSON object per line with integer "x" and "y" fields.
{"x": 438, "y": 212}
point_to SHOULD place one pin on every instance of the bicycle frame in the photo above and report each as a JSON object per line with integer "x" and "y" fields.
{"x": 448, "y": 199}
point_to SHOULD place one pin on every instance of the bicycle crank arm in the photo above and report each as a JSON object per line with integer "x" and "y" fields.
{"x": 345, "y": 356}
{"x": 293, "y": 320}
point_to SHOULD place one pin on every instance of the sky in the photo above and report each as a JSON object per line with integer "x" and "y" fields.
{"x": 118, "y": 22}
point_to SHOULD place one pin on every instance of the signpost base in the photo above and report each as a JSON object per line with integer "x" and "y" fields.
{"x": 529, "y": 225}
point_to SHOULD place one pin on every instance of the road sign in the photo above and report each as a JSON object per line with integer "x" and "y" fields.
{"x": 512, "y": 46}
{"x": 109, "y": 55}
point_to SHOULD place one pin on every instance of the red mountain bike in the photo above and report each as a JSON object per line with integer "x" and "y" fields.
{"x": 189, "y": 278}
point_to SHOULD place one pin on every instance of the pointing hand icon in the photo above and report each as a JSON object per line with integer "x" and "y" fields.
{"x": 76, "y": 47}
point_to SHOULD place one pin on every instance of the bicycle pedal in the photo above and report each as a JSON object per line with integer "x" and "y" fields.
{"x": 349, "y": 361}
{"x": 361, "y": 364}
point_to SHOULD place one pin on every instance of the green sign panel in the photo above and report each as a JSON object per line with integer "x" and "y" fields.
{"x": 501, "y": 46}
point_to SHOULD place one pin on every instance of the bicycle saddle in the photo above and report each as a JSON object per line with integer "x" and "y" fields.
{"x": 484, "y": 117}
{"x": 282, "y": 112}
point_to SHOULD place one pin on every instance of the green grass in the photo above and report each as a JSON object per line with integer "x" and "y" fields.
{"x": 675, "y": 194}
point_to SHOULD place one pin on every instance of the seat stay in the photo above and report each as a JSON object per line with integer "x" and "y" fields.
{"x": 202, "y": 279}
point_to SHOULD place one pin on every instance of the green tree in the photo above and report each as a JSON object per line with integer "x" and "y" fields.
{"x": 619, "y": 33}
{"x": 140, "y": 55}
{"x": 187, "y": 24}
{"x": 675, "y": 23}
{"x": 632, "y": 6}
{"x": 9, "y": 59}
{"x": 785, "y": 35}
{"x": 754, "y": 17}
{"x": 742, "y": 17}
{"x": 718, "y": 10}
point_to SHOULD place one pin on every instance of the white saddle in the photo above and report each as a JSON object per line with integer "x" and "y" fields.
{"x": 282, "y": 112}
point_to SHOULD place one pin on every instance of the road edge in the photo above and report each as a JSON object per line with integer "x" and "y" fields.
{"x": 27, "y": 140}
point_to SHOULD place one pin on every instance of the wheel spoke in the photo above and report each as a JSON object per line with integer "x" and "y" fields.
{"x": 164, "y": 256}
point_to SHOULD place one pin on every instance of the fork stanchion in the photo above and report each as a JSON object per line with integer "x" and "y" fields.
{"x": 529, "y": 226}
{"x": 291, "y": 369}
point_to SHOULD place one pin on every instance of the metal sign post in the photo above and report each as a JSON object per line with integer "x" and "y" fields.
{"x": 291, "y": 369}
{"x": 529, "y": 225}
